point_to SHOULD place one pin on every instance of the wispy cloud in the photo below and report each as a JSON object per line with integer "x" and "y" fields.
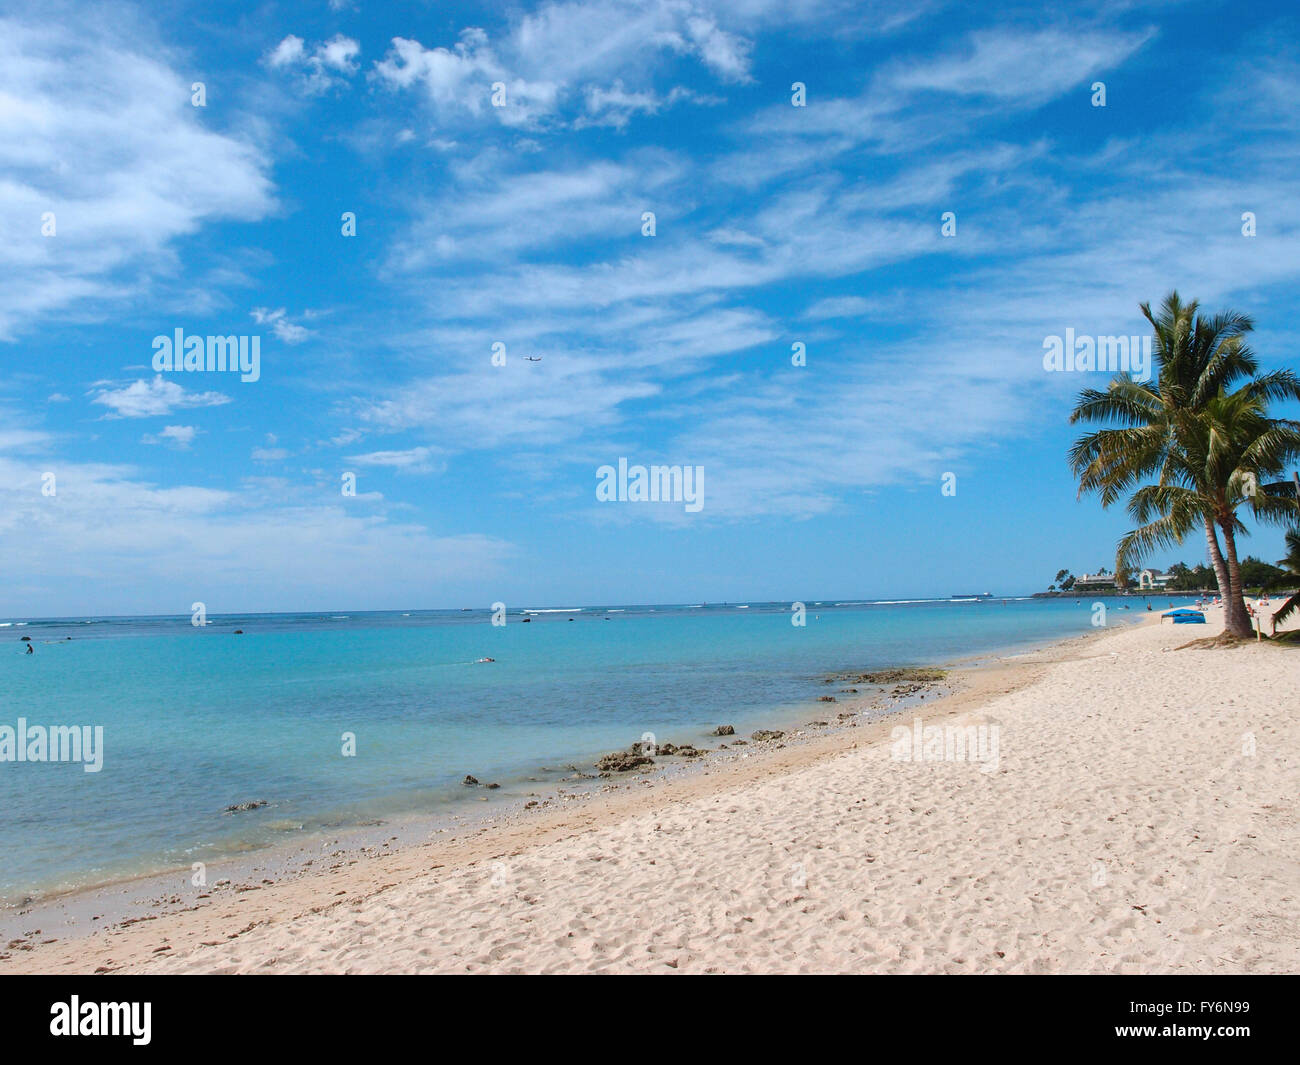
{"x": 178, "y": 436}
{"x": 98, "y": 164}
{"x": 413, "y": 460}
{"x": 281, "y": 326}
{"x": 150, "y": 398}
{"x": 326, "y": 66}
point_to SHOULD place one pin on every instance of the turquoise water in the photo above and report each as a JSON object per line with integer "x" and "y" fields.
{"x": 197, "y": 719}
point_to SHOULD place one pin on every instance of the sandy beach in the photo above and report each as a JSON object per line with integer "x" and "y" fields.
{"x": 1134, "y": 813}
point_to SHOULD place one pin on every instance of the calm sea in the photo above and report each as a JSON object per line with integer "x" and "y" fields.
{"x": 197, "y": 719}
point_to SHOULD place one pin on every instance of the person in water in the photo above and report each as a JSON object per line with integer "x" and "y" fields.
{"x": 29, "y": 650}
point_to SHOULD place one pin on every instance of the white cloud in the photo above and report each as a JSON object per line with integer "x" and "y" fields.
{"x": 144, "y": 399}
{"x": 616, "y": 106}
{"x": 724, "y": 53}
{"x": 325, "y": 67}
{"x": 280, "y": 324}
{"x": 460, "y": 80}
{"x": 288, "y": 52}
{"x": 178, "y": 436}
{"x": 413, "y": 460}
{"x": 624, "y": 322}
{"x": 841, "y": 307}
{"x": 113, "y": 542}
{"x": 339, "y": 53}
{"x": 501, "y": 213}
{"x": 601, "y": 56}
{"x": 100, "y": 132}
{"x": 1031, "y": 66}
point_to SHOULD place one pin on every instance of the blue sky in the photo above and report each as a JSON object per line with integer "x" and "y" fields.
{"x": 522, "y": 224}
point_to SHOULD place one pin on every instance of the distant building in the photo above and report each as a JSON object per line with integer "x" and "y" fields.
{"x": 1154, "y": 579}
{"x": 1091, "y": 581}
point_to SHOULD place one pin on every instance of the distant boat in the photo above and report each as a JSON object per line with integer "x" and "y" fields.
{"x": 974, "y": 595}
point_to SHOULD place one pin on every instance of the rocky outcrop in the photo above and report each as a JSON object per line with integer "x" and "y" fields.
{"x": 622, "y": 762}
{"x": 909, "y": 675}
{"x": 652, "y": 749}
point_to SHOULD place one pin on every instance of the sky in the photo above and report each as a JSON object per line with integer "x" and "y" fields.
{"x": 645, "y": 210}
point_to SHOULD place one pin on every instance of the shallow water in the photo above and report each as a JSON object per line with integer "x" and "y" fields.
{"x": 198, "y": 719}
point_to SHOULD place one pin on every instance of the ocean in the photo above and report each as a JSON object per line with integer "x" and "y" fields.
{"x": 198, "y": 719}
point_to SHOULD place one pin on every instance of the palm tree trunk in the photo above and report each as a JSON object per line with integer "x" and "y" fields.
{"x": 1236, "y": 620}
{"x": 1216, "y": 560}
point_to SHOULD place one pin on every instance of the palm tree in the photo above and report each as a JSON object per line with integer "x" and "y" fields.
{"x": 1197, "y": 359}
{"x": 1292, "y": 565}
{"x": 1226, "y": 451}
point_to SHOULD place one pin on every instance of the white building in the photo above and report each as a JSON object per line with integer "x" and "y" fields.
{"x": 1154, "y": 579}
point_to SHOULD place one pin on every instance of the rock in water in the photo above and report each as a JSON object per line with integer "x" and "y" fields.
{"x": 622, "y": 761}
{"x": 240, "y": 807}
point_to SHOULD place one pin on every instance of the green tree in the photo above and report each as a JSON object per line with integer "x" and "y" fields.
{"x": 1258, "y": 574}
{"x": 1291, "y": 565}
{"x": 1206, "y": 449}
{"x": 1226, "y": 452}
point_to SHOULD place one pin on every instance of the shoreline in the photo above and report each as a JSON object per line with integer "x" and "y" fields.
{"x": 80, "y": 909}
{"x": 40, "y": 934}
{"x": 69, "y": 906}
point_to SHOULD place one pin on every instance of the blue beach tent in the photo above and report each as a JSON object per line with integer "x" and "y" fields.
{"x": 1184, "y": 616}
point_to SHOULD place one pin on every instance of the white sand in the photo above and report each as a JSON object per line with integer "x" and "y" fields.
{"x": 1128, "y": 828}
